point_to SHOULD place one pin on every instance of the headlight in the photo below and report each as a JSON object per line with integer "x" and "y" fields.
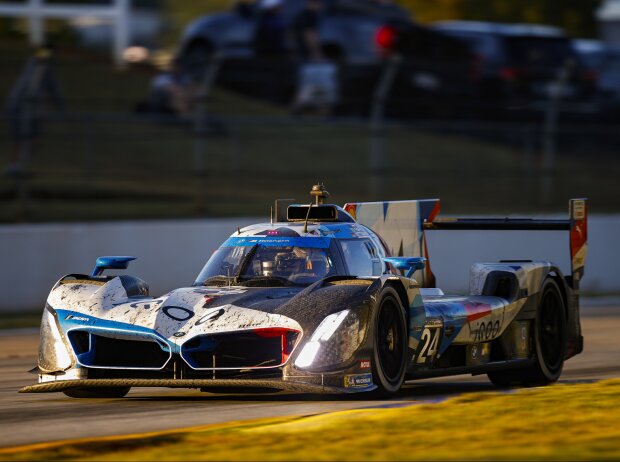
{"x": 329, "y": 325}
{"x": 53, "y": 353}
{"x": 324, "y": 349}
{"x": 307, "y": 355}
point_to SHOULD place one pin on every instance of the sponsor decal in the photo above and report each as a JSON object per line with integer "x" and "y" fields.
{"x": 313, "y": 242}
{"x": 358, "y": 381}
{"x": 365, "y": 364}
{"x": 82, "y": 281}
{"x": 76, "y": 318}
{"x": 486, "y": 331}
{"x": 218, "y": 292}
{"x": 579, "y": 210}
{"x": 474, "y": 352}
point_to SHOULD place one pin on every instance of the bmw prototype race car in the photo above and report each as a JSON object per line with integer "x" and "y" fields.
{"x": 324, "y": 299}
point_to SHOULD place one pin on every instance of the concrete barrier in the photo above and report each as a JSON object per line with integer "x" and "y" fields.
{"x": 469, "y": 247}
{"x": 172, "y": 253}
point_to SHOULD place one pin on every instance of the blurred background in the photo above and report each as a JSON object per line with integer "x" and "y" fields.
{"x": 161, "y": 109}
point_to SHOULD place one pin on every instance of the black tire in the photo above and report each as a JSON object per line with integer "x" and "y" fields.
{"x": 390, "y": 342}
{"x": 101, "y": 392}
{"x": 550, "y": 337}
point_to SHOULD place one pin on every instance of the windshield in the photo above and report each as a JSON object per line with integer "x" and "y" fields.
{"x": 267, "y": 265}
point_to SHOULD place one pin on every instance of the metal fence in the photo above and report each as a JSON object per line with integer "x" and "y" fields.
{"x": 232, "y": 155}
{"x": 89, "y": 166}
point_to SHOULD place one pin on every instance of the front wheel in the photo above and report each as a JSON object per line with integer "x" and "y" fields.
{"x": 390, "y": 342}
{"x": 549, "y": 343}
{"x": 100, "y": 392}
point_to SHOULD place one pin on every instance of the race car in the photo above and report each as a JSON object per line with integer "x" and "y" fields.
{"x": 324, "y": 299}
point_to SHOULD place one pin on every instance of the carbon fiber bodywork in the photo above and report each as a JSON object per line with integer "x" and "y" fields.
{"x": 340, "y": 356}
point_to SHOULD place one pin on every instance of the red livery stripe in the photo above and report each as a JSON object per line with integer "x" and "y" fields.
{"x": 477, "y": 311}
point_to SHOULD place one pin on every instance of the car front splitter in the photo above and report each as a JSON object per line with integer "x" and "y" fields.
{"x": 283, "y": 385}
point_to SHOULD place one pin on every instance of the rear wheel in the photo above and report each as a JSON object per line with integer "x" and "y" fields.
{"x": 390, "y": 342}
{"x": 549, "y": 343}
{"x": 100, "y": 392}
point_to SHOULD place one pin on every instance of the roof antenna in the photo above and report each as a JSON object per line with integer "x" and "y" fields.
{"x": 320, "y": 193}
{"x": 271, "y": 215}
{"x": 238, "y": 230}
{"x": 307, "y": 216}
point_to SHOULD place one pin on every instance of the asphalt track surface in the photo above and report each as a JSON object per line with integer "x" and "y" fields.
{"x": 34, "y": 418}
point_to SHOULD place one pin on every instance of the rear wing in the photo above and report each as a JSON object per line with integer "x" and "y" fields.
{"x": 402, "y": 225}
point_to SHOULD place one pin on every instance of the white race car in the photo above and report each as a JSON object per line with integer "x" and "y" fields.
{"x": 326, "y": 299}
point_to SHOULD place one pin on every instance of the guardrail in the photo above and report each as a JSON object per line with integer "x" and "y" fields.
{"x": 172, "y": 253}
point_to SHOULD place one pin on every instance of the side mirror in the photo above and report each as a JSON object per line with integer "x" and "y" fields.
{"x": 410, "y": 264}
{"x": 104, "y": 263}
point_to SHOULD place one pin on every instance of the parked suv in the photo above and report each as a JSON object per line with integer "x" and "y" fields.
{"x": 360, "y": 36}
{"x": 603, "y": 61}
{"x": 519, "y": 64}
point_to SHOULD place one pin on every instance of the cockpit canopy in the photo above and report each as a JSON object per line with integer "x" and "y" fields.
{"x": 268, "y": 265}
{"x": 284, "y": 261}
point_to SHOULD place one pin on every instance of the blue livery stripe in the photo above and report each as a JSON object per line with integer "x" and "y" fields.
{"x": 267, "y": 241}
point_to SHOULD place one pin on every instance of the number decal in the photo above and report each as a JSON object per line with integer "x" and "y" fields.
{"x": 430, "y": 344}
{"x": 182, "y": 314}
{"x": 210, "y": 316}
{"x": 146, "y": 305}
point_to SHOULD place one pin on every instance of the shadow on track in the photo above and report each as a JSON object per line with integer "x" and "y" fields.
{"x": 427, "y": 391}
{"x": 411, "y": 392}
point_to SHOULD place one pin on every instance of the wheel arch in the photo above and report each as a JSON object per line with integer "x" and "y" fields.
{"x": 555, "y": 274}
{"x": 398, "y": 286}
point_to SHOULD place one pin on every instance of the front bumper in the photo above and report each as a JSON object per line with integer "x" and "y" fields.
{"x": 114, "y": 356}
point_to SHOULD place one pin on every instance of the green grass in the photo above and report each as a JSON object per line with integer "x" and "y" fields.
{"x": 20, "y": 320}
{"x": 561, "y": 422}
{"x": 126, "y": 169}
{"x": 150, "y": 170}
